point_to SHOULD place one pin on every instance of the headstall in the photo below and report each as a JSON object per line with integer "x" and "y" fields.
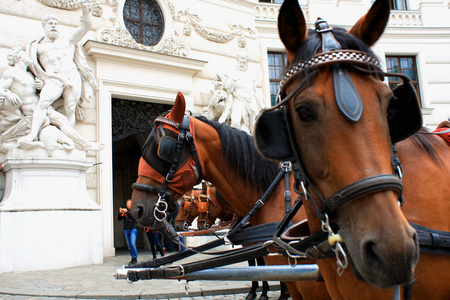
{"x": 185, "y": 135}
{"x": 277, "y": 143}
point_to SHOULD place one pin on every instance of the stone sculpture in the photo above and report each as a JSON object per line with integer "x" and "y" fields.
{"x": 59, "y": 70}
{"x": 235, "y": 97}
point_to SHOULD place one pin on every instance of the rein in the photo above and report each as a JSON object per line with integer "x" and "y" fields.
{"x": 161, "y": 206}
{"x": 154, "y": 270}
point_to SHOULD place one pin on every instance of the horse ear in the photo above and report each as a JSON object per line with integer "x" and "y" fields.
{"x": 178, "y": 109}
{"x": 292, "y": 27}
{"x": 371, "y": 26}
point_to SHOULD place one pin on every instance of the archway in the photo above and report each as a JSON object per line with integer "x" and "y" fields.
{"x": 132, "y": 122}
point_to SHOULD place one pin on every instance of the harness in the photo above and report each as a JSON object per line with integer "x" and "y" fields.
{"x": 238, "y": 234}
{"x": 203, "y": 206}
{"x": 189, "y": 200}
{"x": 170, "y": 150}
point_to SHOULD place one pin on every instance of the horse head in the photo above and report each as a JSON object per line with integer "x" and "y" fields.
{"x": 169, "y": 167}
{"x": 187, "y": 211}
{"x": 336, "y": 120}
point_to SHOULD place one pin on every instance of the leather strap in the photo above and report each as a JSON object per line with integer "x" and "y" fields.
{"x": 179, "y": 255}
{"x": 254, "y": 234}
{"x": 432, "y": 240}
{"x": 360, "y": 188}
{"x": 258, "y": 204}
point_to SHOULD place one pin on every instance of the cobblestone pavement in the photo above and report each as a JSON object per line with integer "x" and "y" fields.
{"x": 97, "y": 282}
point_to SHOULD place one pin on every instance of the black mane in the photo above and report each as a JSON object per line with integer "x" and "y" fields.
{"x": 427, "y": 143}
{"x": 241, "y": 155}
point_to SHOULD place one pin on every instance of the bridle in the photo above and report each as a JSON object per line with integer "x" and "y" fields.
{"x": 185, "y": 136}
{"x": 280, "y": 143}
{"x": 333, "y": 56}
{"x": 189, "y": 201}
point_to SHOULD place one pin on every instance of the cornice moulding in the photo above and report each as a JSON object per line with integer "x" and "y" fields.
{"x": 100, "y": 50}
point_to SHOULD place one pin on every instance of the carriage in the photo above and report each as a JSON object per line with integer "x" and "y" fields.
{"x": 344, "y": 134}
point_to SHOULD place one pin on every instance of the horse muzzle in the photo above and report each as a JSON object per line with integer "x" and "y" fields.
{"x": 144, "y": 212}
{"x": 384, "y": 264}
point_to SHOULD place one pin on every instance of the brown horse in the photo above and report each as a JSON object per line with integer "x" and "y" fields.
{"x": 344, "y": 145}
{"x": 226, "y": 158}
{"x": 426, "y": 167}
{"x": 187, "y": 211}
{"x": 212, "y": 206}
{"x": 207, "y": 205}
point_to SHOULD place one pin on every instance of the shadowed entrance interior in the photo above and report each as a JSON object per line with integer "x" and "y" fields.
{"x": 131, "y": 123}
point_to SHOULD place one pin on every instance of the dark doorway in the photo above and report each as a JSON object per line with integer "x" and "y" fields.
{"x": 132, "y": 122}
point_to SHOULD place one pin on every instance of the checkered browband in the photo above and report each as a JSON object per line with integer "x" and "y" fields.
{"x": 167, "y": 121}
{"x": 332, "y": 57}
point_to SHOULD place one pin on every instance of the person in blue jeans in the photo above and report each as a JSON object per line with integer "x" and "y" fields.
{"x": 130, "y": 228}
{"x": 153, "y": 238}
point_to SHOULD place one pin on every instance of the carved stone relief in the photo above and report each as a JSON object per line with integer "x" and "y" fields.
{"x": 211, "y": 35}
{"x": 118, "y": 34}
{"x": 96, "y": 9}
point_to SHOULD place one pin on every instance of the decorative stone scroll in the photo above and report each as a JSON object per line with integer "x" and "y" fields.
{"x": 119, "y": 35}
{"x": 96, "y": 9}
{"x": 211, "y": 35}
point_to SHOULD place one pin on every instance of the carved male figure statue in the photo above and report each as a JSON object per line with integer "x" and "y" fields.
{"x": 60, "y": 63}
{"x": 18, "y": 87}
{"x": 242, "y": 105}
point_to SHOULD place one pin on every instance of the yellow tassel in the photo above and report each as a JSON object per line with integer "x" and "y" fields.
{"x": 332, "y": 239}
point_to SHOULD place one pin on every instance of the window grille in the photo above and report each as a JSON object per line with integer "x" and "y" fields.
{"x": 144, "y": 20}
{"x": 277, "y": 64}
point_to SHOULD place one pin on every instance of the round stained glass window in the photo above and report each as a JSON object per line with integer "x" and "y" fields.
{"x": 144, "y": 20}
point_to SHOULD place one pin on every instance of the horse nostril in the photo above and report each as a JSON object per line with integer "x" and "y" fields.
{"x": 370, "y": 256}
{"x": 140, "y": 212}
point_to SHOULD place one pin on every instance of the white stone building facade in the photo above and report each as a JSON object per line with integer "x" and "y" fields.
{"x": 199, "y": 39}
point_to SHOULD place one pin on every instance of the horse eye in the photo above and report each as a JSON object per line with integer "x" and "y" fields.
{"x": 306, "y": 113}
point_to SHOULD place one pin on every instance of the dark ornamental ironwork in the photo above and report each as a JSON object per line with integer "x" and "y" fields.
{"x": 130, "y": 117}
